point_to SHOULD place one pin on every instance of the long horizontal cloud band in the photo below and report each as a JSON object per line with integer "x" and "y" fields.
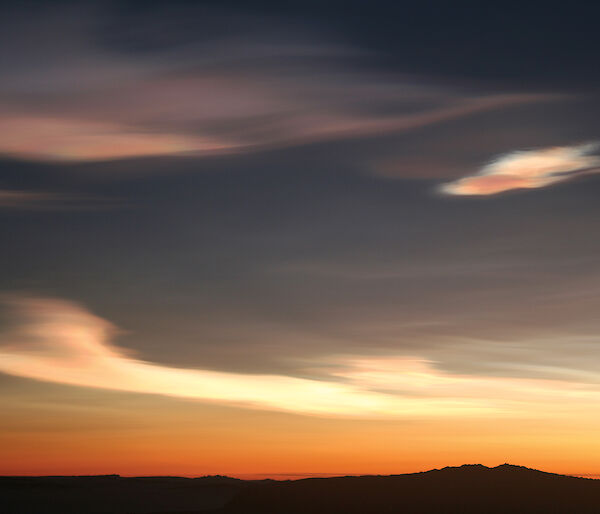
{"x": 59, "y": 341}
{"x": 39, "y": 137}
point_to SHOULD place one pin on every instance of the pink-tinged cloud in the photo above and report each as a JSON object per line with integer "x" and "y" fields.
{"x": 59, "y": 341}
{"x": 529, "y": 170}
{"x": 69, "y": 138}
{"x": 69, "y": 97}
{"x": 40, "y": 138}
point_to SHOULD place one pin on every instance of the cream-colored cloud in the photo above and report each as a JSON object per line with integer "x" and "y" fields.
{"x": 528, "y": 170}
{"x": 59, "y": 341}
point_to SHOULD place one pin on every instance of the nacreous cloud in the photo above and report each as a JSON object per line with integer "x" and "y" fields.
{"x": 528, "y": 169}
{"x": 59, "y": 341}
{"x": 73, "y": 97}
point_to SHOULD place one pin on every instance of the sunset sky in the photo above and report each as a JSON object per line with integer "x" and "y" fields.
{"x": 258, "y": 239}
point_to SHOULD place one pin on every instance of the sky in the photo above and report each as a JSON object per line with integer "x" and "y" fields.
{"x": 271, "y": 239}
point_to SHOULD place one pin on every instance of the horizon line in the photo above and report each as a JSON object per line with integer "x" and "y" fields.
{"x": 289, "y": 476}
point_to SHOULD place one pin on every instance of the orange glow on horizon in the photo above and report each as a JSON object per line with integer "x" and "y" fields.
{"x": 59, "y": 429}
{"x": 200, "y": 441}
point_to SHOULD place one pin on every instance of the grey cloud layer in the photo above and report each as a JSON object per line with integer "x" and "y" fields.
{"x": 314, "y": 261}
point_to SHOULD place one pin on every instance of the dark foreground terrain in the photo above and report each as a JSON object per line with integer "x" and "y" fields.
{"x": 467, "y": 489}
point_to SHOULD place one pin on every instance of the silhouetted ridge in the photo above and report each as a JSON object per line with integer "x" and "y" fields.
{"x": 115, "y": 494}
{"x": 515, "y": 468}
{"x": 218, "y": 479}
{"x": 464, "y": 468}
{"x": 481, "y": 467}
{"x": 467, "y": 466}
{"x": 467, "y": 489}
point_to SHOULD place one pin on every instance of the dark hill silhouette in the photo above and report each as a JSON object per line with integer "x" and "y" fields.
{"x": 467, "y": 489}
{"x": 115, "y": 494}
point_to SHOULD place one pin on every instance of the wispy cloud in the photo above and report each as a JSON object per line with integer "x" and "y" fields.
{"x": 74, "y": 97}
{"x": 63, "y": 139}
{"x": 529, "y": 169}
{"x": 22, "y": 199}
{"x": 59, "y": 341}
{"x": 10, "y": 198}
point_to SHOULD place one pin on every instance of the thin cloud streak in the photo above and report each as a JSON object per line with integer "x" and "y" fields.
{"x": 11, "y": 198}
{"x": 36, "y": 138}
{"x": 21, "y": 199}
{"x": 530, "y": 169}
{"x": 59, "y": 341}
{"x": 331, "y": 129}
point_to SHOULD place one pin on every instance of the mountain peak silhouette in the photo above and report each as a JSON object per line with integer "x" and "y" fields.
{"x": 466, "y": 467}
{"x": 468, "y": 489}
{"x": 505, "y": 468}
{"x": 515, "y": 467}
